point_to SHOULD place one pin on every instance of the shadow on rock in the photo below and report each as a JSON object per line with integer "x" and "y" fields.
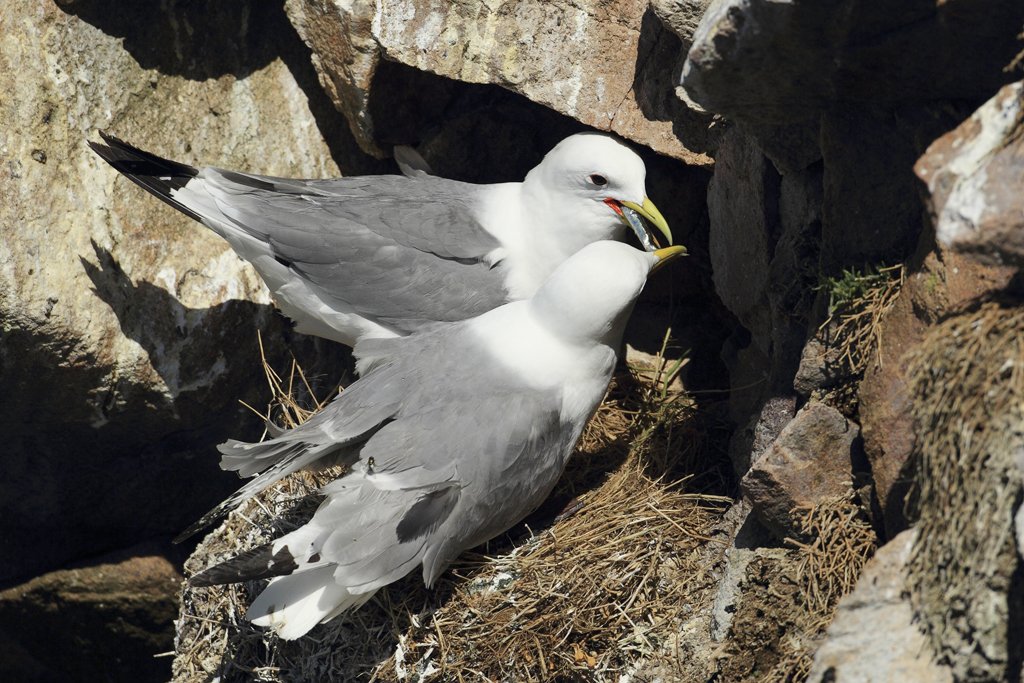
{"x": 191, "y": 348}
{"x": 659, "y": 64}
{"x": 208, "y": 40}
{"x": 101, "y": 620}
{"x": 103, "y": 450}
{"x": 196, "y": 40}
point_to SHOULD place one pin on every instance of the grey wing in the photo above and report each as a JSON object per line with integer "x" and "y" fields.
{"x": 343, "y": 426}
{"x": 334, "y": 433}
{"x": 456, "y": 477}
{"x": 428, "y": 485}
{"x": 402, "y": 251}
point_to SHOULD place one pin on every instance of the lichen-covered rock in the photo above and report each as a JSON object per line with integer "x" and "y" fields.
{"x": 129, "y": 331}
{"x": 600, "y": 63}
{"x": 966, "y": 386}
{"x": 874, "y": 636}
{"x": 974, "y": 176}
{"x": 810, "y": 460}
{"x": 101, "y": 621}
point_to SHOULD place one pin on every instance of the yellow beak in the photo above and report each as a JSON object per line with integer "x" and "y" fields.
{"x": 649, "y": 211}
{"x": 668, "y": 254}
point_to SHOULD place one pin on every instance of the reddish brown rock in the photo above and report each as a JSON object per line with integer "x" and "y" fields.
{"x": 810, "y": 461}
{"x": 974, "y": 201}
{"x": 943, "y": 281}
{"x": 103, "y": 621}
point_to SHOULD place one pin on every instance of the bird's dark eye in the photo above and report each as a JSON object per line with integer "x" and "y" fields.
{"x": 597, "y": 179}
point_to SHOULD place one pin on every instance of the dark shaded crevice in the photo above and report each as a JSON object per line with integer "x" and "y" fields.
{"x": 466, "y": 131}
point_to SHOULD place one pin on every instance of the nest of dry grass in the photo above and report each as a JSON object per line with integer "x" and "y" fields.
{"x": 590, "y": 585}
{"x": 967, "y": 382}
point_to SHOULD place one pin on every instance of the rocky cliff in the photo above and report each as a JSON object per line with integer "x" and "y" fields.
{"x": 843, "y": 374}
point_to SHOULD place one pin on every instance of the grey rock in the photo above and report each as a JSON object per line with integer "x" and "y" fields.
{"x": 751, "y": 441}
{"x": 771, "y": 62}
{"x": 681, "y": 16}
{"x": 740, "y": 242}
{"x": 763, "y": 243}
{"x": 755, "y": 61}
{"x": 791, "y": 147}
{"x": 811, "y": 374}
{"x": 873, "y": 637}
{"x": 747, "y": 544}
{"x": 793, "y": 273}
{"x": 777, "y": 412}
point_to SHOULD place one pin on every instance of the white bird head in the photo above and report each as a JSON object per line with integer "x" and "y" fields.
{"x": 593, "y": 180}
{"x": 589, "y": 296}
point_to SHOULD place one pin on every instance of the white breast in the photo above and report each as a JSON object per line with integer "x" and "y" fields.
{"x": 512, "y": 337}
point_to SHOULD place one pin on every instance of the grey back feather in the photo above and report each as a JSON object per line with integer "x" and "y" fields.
{"x": 403, "y": 251}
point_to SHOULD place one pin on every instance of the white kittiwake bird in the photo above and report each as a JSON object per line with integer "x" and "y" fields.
{"x": 451, "y": 436}
{"x": 387, "y": 255}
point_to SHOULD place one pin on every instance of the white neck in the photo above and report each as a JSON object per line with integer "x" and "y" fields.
{"x": 537, "y": 234}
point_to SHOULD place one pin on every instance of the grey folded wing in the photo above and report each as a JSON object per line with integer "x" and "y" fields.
{"x": 455, "y": 475}
{"x": 474, "y": 448}
{"x": 403, "y": 251}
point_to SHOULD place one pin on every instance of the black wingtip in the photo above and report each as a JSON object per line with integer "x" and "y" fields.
{"x": 157, "y": 175}
{"x": 205, "y": 520}
{"x": 186, "y": 534}
{"x": 259, "y": 563}
{"x": 112, "y": 139}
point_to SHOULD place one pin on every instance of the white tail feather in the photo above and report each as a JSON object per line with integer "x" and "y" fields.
{"x": 292, "y": 605}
